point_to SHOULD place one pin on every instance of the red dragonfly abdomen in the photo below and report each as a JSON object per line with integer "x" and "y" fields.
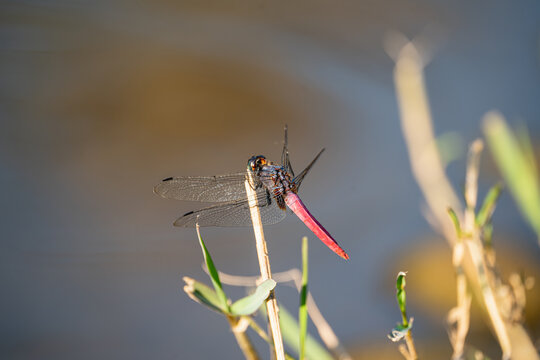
{"x": 297, "y": 206}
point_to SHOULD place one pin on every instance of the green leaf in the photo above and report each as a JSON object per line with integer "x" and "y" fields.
{"x": 400, "y": 281}
{"x": 488, "y": 233}
{"x": 401, "y": 296}
{"x": 202, "y": 294}
{"x": 290, "y": 331}
{"x": 302, "y": 311}
{"x": 516, "y": 165}
{"x": 249, "y": 304}
{"x": 524, "y": 140}
{"x": 485, "y": 212}
{"x": 455, "y": 221}
{"x": 214, "y": 276}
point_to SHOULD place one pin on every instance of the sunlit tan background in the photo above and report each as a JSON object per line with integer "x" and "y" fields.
{"x": 101, "y": 100}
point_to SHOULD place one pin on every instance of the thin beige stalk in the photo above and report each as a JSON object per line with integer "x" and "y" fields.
{"x": 403, "y": 350}
{"x": 242, "y": 339}
{"x": 474, "y": 245}
{"x": 459, "y": 317}
{"x": 417, "y": 127}
{"x": 410, "y": 346}
{"x": 258, "y": 329}
{"x": 264, "y": 264}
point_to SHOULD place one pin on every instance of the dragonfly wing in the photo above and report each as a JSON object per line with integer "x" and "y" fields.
{"x": 285, "y": 162}
{"x": 203, "y": 188}
{"x": 300, "y": 177}
{"x": 234, "y": 213}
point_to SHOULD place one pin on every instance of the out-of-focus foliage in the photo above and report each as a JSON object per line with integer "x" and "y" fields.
{"x": 302, "y": 311}
{"x": 515, "y": 159}
{"x": 291, "y": 330}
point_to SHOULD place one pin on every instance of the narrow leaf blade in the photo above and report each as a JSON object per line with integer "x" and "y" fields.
{"x": 290, "y": 331}
{"x": 485, "y": 212}
{"x": 214, "y": 276}
{"x": 401, "y": 296}
{"x": 455, "y": 221}
{"x": 514, "y": 162}
{"x": 202, "y": 294}
{"x": 302, "y": 311}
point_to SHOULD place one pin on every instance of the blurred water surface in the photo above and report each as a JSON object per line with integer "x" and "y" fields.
{"x": 101, "y": 100}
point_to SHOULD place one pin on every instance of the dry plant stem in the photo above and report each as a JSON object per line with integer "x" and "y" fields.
{"x": 264, "y": 264}
{"x": 426, "y": 163}
{"x": 258, "y": 329}
{"x": 406, "y": 354}
{"x": 474, "y": 245}
{"x": 429, "y": 173}
{"x": 460, "y": 315}
{"x": 324, "y": 329}
{"x": 243, "y": 340}
{"x": 410, "y": 346}
{"x": 471, "y": 184}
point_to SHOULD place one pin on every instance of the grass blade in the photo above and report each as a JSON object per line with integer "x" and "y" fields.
{"x": 302, "y": 311}
{"x": 202, "y": 294}
{"x": 455, "y": 221}
{"x": 515, "y": 164}
{"x": 290, "y": 331}
{"x": 214, "y": 276}
{"x": 485, "y": 212}
{"x": 402, "y": 297}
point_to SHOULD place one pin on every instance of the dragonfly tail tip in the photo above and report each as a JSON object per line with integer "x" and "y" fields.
{"x": 342, "y": 253}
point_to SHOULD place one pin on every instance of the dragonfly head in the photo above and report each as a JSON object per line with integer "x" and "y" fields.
{"x": 256, "y": 162}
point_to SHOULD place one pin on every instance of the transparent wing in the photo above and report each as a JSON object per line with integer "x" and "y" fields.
{"x": 234, "y": 213}
{"x": 298, "y": 179}
{"x": 203, "y": 188}
{"x": 285, "y": 162}
{"x": 219, "y": 188}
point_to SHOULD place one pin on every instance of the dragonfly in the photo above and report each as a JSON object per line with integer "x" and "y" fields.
{"x": 276, "y": 188}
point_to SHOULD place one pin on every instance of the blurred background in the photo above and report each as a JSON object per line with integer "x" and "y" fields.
{"x": 101, "y": 100}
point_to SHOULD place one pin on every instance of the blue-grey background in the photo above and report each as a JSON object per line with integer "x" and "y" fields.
{"x": 100, "y": 100}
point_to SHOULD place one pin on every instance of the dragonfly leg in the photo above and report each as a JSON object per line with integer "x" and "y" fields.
{"x": 254, "y": 181}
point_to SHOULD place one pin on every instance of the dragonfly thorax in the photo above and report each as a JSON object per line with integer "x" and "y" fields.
{"x": 280, "y": 180}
